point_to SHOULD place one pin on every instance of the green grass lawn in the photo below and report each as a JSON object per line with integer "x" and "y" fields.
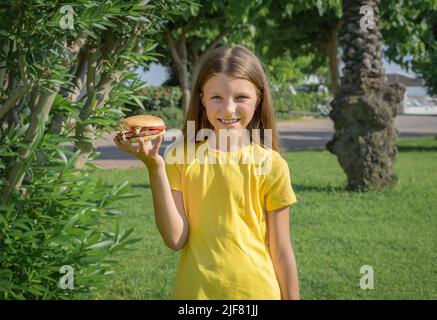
{"x": 334, "y": 232}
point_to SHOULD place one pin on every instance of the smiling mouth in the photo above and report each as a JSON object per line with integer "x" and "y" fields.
{"x": 229, "y": 121}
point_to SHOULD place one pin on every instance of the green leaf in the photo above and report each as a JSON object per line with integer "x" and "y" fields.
{"x": 3, "y": 221}
{"x": 99, "y": 26}
{"x": 100, "y": 245}
{"x": 124, "y": 234}
{"x": 138, "y": 101}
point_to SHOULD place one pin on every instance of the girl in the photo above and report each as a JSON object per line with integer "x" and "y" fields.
{"x": 230, "y": 221}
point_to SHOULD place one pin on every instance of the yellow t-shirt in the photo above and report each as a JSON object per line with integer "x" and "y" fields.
{"x": 226, "y": 255}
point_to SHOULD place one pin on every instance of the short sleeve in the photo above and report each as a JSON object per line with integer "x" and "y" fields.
{"x": 174, "y": 175}
{"x": 279, "y": 192}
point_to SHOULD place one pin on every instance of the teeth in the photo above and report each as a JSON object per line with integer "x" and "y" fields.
{"x": 229, "y": 121}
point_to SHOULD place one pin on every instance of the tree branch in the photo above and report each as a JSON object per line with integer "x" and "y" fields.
{"x": 210, "y": 47}
{"x": 214, "y": 42}
{"x": 18, "y": 93}
{"x": 22, "y": 65}
{"x": 79, "y": 78}
{"x": 33, "y": 102}
{"x": 16, "y": 175}
{"x": 173, "y": 47}
{"x": 187, "y": 26}
{"x": 102, "y": 91}
{"x": 38, "y": 119}
{"x": 3, "y": 64}
{"x": 91, "y": 54}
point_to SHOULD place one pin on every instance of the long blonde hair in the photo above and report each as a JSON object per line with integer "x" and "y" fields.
{"x": 236, "y": 62}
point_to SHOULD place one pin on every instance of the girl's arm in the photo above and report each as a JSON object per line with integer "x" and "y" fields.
{"x": 170, "y": 216}
{"x": 281, "y": 252}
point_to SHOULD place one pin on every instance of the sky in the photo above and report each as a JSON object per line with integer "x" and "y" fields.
{"x": 391, "y": 67}
{"x": 157, "y": 74}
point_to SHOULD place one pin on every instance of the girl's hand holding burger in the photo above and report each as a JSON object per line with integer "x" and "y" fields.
{"x": 145, "y": 151}
{"x": 142, "y": 129}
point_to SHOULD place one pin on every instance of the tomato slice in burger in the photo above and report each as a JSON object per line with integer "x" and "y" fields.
{"x": 156, "y": 128}
{"x": 160, "y": 128}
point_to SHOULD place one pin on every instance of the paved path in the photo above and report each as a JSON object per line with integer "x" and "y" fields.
{"x": 305, "y": 134}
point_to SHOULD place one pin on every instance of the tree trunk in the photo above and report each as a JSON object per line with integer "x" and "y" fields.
{"x": 5, "y": 51}
{"x": 60, "y": 119}
{"x": 101, "y": 93}
{"x": 40, "y": 106}
{"x": 186, "y": 91}
{"x": 178, "y": 50}
{"x": 333, "y": 61}
{"x": 15, "y": 96}
{"x": 98, "y": 93}
{"x": 365, "y": 105}
{"x": 17, "y": 172}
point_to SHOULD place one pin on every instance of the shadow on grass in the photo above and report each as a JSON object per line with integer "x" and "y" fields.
{"x": 133, "y": 185}
{"x": 328, "y": 189}
{"x": 141, "y": 185}
{"x": 417, "y": 148}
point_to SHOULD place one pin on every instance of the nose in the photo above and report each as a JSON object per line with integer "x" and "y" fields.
{"x": 230, "y": 106}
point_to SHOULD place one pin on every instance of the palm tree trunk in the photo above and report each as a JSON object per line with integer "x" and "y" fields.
{"x": 365, "y": 105}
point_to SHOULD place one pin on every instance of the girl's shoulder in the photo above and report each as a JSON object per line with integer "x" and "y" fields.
{"x": 275, "y": 156}
{"x": 268, "y": 162}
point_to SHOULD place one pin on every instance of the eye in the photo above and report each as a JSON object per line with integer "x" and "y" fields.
{"x": 242, "y": 97}
{"x": 216, "y": 97}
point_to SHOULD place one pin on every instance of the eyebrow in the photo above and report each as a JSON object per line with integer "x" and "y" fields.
{"x": 240, "y": 93}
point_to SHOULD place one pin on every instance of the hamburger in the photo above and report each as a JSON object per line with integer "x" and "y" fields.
{"x": 149, "y": 127}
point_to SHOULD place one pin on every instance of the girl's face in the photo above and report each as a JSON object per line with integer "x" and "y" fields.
{"x": 229, "y": 102}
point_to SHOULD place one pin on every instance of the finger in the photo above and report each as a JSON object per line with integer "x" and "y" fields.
{"x": 149, "y": 145}
{"x": 157, "y": 144}
{"x": 128, "y": 144}
{"x": 118, "y": 141}
{"x": 142, "y": 144}
{"x": 126, "y": 147}
{"x": 160, "y": 139}
{"x": 135, "y": 148}
{"x": 120, "y": 144}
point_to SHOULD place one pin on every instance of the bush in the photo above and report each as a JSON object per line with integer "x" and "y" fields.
{"x": 286, "y": 103}
{"x": 52, "y": 214}
{"x": 56, "y": 219}
{"x": 163, "y": 102}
